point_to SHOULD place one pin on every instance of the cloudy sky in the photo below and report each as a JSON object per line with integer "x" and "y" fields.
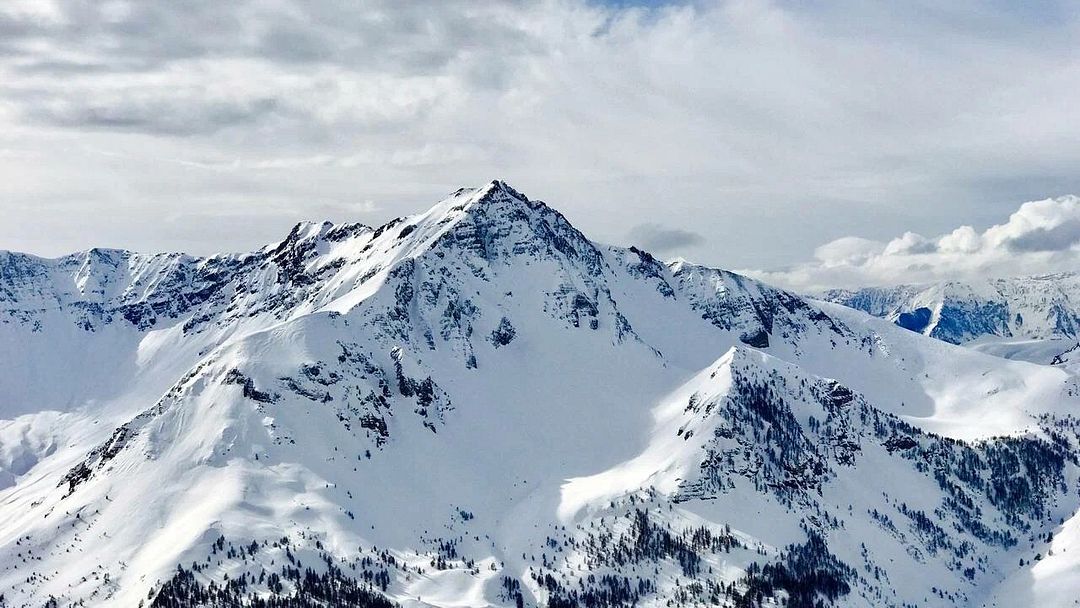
{"x": 822, "y": 143}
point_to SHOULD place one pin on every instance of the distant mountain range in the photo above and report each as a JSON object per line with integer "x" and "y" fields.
{"x": 1037, "y": 307}
{"x": 480, "y": 406}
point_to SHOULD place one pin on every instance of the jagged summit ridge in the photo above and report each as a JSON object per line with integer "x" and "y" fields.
{"x": 109, "y": 283}
{"x": 319, "y": 265}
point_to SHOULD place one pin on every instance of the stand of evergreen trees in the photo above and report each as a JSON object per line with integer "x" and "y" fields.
{"x": 809, "y": 574}
{"x": 311, "y": 590}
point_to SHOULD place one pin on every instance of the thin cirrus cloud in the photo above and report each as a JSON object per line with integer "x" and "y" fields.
{"x": 1039, "y": 237}
{"x": 769, "y": 126}
{"x": 155, "y": 116}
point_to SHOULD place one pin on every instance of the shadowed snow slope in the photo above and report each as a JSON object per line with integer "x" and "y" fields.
{"x": 480, "y": 406}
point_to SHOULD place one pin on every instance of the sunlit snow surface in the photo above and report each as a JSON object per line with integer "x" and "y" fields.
{"x": 358, "y": 391}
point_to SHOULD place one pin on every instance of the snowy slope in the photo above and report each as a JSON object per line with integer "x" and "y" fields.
{"x": 479, "y": 406}
{"x": 1038, "y": 307}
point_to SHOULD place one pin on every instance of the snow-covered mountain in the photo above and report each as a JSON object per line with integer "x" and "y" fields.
{"x": 479, "y": 406}
{"x": 1039, "y": 307}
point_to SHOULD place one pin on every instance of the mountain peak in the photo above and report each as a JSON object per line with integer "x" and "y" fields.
{"x": 498, "y": 221}
{"x": 494, "y": 193}
{"x": 493, "y": 187}
{"x": 498, "y": 186}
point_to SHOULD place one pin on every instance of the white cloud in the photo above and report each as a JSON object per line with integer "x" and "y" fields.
{"x": 962, "y": 240}
{"x": 1040, "y": 237}
{"x": 1050, "y": 225}
{"x": 847, "y": 250}
{"x": 910, "y": 242}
